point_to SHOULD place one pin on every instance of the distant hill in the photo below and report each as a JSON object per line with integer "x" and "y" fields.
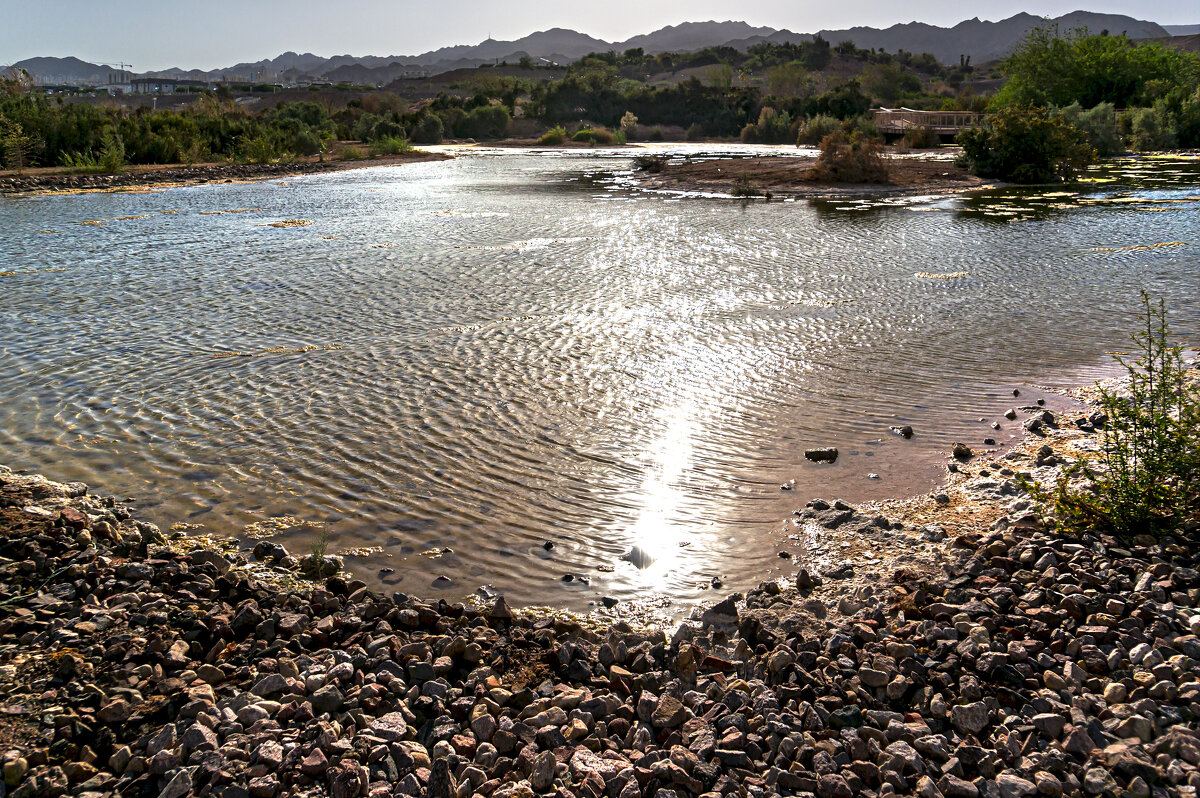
{"x": 982, "y": 40}
{"x": 64, "y": 70}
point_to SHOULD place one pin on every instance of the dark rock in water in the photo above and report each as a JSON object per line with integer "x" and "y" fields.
{"x": 785, "y": 555}
{"x": 609, "y": 601}
{"x": 1041, "y": 402}
{"x": 905, "y": 431}
{"x": 639, "y": 557}
{"x": 962, "y": 451}
{"x": 1010, "y": 414}
{"x": 1016, "y": 392}
{"x": 989, "y": 441}
{"x": 443, "y": 582}
{"x": 828, "y": 455}
{"x": 724, "y": 612}
{"x": 577, "y": 578}
{"x": 548, "y": 545}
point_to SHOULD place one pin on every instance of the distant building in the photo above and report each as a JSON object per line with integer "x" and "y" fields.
{"x": 167, "y": 85}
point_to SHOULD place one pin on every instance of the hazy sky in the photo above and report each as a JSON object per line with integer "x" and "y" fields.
{"x": 217, "y": 33}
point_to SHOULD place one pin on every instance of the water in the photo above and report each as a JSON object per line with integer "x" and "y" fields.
{"x": 458, "y": 362}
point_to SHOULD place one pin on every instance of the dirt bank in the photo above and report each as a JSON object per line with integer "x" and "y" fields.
{"x": 791, "y": 176}
{"x": 53, "y": 181}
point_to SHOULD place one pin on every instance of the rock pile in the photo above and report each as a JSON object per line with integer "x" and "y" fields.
{"x": 1030, "y": 665}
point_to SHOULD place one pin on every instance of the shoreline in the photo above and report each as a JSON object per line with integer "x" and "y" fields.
{"x": 152, "y": 177}
{"x": 984, "y": 654}
{"x": 790, "y": 176}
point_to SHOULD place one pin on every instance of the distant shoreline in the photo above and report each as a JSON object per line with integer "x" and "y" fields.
{"x": 59, "y": 181}
{"x": 790, "y": 176}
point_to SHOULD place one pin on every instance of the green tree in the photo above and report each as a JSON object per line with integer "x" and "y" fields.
{"x": 789, "y": 80}
{"x": 1025, "y": 145}
{"x": 1050, "y": 68}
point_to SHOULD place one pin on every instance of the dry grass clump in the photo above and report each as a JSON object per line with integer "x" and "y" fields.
{"x": 853, "y": 159}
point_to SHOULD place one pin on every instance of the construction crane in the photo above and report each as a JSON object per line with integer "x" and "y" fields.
{"x": 119, "y": 64}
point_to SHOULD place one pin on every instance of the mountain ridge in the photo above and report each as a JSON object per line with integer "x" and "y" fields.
{"x": 980, "y": 39}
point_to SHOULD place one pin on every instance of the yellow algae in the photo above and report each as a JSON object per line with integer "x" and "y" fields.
{"x": 278, "y": 350}
{"x": 941, "y": 275}
{"x": 183, "y": 526}
{"x": 361, "y": 551}
{"x": 92, "y": 223}
{"x": 8, "y": 274}
{"x": 49, "y": 233}
{"x": 260, "y": 530}
{"x": 435, "y": 553}
{"x": 291, "y": 223}
{"x": 1141, "y": 247}
{"x": 131, "y": 218}
{"x": 168, "y": 213}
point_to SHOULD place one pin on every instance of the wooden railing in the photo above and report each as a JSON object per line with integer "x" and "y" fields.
{"x": 900, "y": 120}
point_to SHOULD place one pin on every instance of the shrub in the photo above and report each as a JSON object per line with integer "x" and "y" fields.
{"x": 1147, "y": 475}
{"x": 814, "y": 129}
{"x": 259, "y": 149}
{"x": 1151, "y": 129}
{"x": 554, "y": 136}
{"x": 656, "y": 134}
{"x": 850, "y": 159}
{"x": 629, "y": 124}
{"x": 772, "y": 127}
{"x": 1025, "y": 145}
{"x": 594, "y": 135}
{"x": 742, "y": 187}
{"x": 427, "y": 131}
{"x": 650, "y": 163}
{"x": 350, "y": 153}
{"x": 695, "y": 132}
{"x": 112, "y": 155}
{"x": 485, "y": 122}
{"x": 1098, "y": 125}
{"x": 390, "y": 146}
{"x": 922, "y": 137}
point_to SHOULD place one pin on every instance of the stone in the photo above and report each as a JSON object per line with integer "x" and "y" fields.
{"x": 1013, "y": 786}
{"x": 826, "y": 455}
{"x": 178, "y": 786}
{"x": 391, "y": 726}
{"x": 970, "y": 718}
{"x": 541, "y": 777}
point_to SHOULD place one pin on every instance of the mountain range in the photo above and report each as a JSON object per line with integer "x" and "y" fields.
{"x": 980, "y": 39}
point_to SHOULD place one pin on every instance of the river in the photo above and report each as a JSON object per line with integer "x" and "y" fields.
{"x": 457, "y": 363}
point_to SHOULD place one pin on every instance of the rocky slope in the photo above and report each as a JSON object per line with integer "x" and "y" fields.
{"x": 1003, "y": 660}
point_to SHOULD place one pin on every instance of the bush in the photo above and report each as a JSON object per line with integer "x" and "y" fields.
{"x": 656, "y": 134}
{"x": 629, "y": 124}
{"x": 922, "y": 137}
{"x": 742, "y": 187}
{"x": 427, "y": 131}
{"x": 1147, "y": 476}
{"x": 650, "y": 163}
{"x": 855, "y": 158}
{"x": 112, "y": 156}
{"x": 259, "y": 149}
{"x": 772, "y": 127}
{"x": 1098, "y": 125}
{"x": 350, "y": 153}
{"x": 1025, "y": 145}
{"x": 554, "y": 136}
{"x": 813, "y": 130}
{"x": 1151, "y": 129}
{"x": 390, "y": 146}
{"x": 695, "y": 132}
{"x": 485, "y": 122}
{"x": 594, "y": 135}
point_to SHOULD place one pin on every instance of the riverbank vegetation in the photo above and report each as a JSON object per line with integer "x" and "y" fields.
{"x": 1119, "y": 93}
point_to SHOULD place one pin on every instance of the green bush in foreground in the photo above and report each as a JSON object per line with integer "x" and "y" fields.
{"x": 856, "y": 158}
{"x": 1026, "y": 145}
{"x": 1147, "y": 475}
{"x": 391, "y": 145}
{"x": 554, "y": 136}
{"x": 350, "y": 153}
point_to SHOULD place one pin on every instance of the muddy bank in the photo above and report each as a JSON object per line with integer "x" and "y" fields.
{"x": 791, "y": 176}
{"x": 51, "y": 181}
{"x": 985, "y": 655}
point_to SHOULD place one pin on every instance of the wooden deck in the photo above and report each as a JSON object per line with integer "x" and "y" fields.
{"x": 898, "y": 121}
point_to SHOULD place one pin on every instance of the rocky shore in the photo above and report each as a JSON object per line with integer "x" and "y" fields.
{"x": 47, "y": 181}
{"x": 990, "y": 657}
{"x": 791, "y": 176}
